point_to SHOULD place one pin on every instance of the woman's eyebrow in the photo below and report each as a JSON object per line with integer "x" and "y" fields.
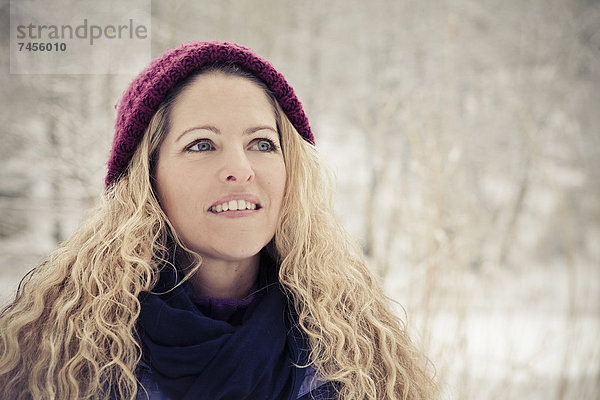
{"x": 252, "y": 130}
{"x": 216, "y": 130}
{"x": 211, "y": 128}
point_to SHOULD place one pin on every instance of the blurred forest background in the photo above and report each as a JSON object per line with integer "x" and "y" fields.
{"x": 465, "y": 135}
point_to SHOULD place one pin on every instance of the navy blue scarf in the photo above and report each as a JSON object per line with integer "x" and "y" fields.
{"x": 193, "y": 356}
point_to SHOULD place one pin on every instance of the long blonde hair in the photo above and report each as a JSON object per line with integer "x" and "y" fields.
{"x": 70, "y": 332}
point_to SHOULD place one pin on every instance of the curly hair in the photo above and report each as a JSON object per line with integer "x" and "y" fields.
{"x": 70, "y": 332}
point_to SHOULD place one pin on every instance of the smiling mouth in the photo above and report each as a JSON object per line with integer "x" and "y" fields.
{"x": 234, "y": 205}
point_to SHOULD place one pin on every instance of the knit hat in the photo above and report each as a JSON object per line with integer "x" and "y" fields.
{"x": 147, "y": 91}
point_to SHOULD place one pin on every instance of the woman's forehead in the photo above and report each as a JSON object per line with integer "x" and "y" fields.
{"x": 222, "y": 101}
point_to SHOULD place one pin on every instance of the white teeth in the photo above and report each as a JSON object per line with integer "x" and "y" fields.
{"x": 234, "y": 205}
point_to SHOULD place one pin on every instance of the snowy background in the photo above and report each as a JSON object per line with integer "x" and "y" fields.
{"x": 466, "y": 140}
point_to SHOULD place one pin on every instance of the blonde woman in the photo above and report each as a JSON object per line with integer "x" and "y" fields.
{"x": 214, "y": 268}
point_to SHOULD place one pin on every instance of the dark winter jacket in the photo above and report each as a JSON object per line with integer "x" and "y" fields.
{"x": 311, "y": 388}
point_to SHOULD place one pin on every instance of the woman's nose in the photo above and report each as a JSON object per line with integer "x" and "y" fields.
{"x": 236, "y": 167}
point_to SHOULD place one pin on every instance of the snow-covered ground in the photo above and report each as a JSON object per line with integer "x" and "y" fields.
{"x": 520, "y": 355}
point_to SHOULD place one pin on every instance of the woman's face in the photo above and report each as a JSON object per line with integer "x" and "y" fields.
{"x": 220, "y": 175}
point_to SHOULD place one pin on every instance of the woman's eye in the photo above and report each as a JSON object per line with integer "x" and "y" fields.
{"x": 265, "y": 145}
{"x": 200, "y": 146}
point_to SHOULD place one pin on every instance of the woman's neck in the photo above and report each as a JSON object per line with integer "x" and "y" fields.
{"x": 223, "y": 279}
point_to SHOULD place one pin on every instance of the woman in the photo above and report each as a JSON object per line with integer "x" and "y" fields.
{"x": 214, "y": 268}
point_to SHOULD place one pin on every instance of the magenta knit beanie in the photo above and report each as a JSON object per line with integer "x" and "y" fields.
{"x": 149, "y": 88}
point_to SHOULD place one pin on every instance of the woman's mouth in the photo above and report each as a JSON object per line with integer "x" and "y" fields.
{"x": 234, "y": 205}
